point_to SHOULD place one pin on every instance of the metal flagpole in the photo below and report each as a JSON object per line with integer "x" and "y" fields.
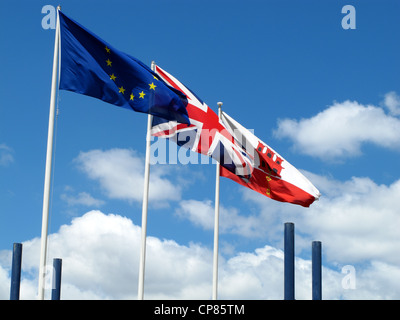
{"x": 145, "y": 205}
{"x": 49, "y": 154}
{"x": 216, "y": 225}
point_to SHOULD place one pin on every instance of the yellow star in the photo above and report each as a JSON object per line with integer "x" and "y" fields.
{"x": 113, "y": 77}
{"x": 152, "y": 86}
{"x": 108, "y": 49}
{"x": 141, "y": 95}
{"x": 121, "y": 90}
{"x": 155, "y": 78}
{"x": 109, "y": 62}
{"x": 132, "y": 96}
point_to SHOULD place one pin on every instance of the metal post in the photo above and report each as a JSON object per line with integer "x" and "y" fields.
{"x": 316, "y": 271}
{"x": 289, "y": 261}
{"x": 56, "y": 290}
{"x": 16, "y": 271}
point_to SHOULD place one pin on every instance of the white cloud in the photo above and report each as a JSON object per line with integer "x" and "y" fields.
{"x": 392, "y": 102}
{"x": 82, "y": 198}
{"x": 351, "y": 219}
{"x": 101, "y": 258}
{"x": 101, "y": 254}
{"x": 6, "y": 155}
{"x": 202, "y": 213}
{"x": 120, "y": 173}
{"x": 4, "y": 279}
{"x": 340, "y": 131}
{"x": 358, "y": 224}
{"x": 355, "y": 219}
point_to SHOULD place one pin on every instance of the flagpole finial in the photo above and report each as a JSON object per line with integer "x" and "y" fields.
{"x": 58, "y": 8}
{"x": 219, "y": 108}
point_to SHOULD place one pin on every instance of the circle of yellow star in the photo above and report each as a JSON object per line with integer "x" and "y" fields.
{"x": 141, "y": 95}
{"x": 121, "y": 90}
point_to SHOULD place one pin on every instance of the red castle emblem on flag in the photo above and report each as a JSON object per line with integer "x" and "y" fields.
{"x": 270, "y": 162}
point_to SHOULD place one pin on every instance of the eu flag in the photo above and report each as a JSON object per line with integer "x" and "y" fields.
{"x": 92, "y": 67}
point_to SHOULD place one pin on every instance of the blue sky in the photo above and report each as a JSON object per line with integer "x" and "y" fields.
{"x": 325, "y": 98}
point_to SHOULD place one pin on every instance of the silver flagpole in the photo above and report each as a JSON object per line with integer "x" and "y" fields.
{"x": 145, "y": 205}
{"x": 49, "y": 154}
{"x": 216, "y": 225}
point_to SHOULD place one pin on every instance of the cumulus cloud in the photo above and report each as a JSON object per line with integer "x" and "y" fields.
{"x": 340, "y": 130}
{"x": 202, "y": 213}
{"x": 82, "y": 198}
{"x": 358, "y": 224}
{"x": 6, "y": 155}
{"x": 4, "y": 278}
{"x": 120, "y": 173}
{"x": 100, "y": 255}
{"x": 356, "y": 219}
{"x": 392, "y": 102}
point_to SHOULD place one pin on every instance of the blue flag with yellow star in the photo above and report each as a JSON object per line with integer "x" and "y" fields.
{"x": 92, "y": 67}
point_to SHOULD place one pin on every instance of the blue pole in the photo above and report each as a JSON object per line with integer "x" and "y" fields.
{"x": 316, "y": 271}
{"x": 16, "y": 271}
{"x": 56, "y": 290}
{"x": 289, "y": 261}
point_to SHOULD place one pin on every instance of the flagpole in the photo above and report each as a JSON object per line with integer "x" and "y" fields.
{"x": 216, "y": 225}
{"x": 145, "y": 205}
{"x": 49, "y": 154}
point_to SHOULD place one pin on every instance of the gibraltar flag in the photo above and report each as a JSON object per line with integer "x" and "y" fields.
{"x": 272, "y": 175}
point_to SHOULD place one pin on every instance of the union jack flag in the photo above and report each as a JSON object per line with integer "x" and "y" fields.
{"x": 205, "y": 135}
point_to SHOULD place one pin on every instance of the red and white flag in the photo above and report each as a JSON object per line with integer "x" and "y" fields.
{"x": 272, "y": 175}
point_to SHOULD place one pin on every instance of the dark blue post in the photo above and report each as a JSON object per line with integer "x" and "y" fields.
{"x": 16, "y": 271}
{"x": 316, "y": 271}
{"x": 56, "y": 290}
{"x": 289, "y": 261}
